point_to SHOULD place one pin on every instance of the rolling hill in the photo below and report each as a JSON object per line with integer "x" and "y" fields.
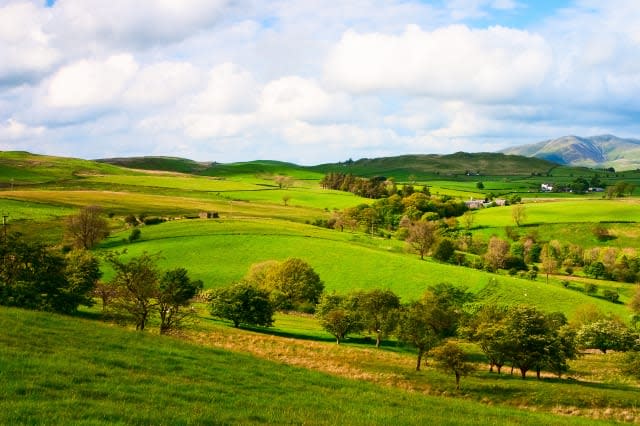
{"x": 400, "y": 167}
{"x": 595, "y": 151}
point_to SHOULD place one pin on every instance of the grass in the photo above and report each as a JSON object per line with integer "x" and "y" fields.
{"x": 220, "y": 252}
{"x": 71, "y": 371}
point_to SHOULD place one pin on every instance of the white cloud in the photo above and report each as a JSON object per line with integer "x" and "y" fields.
{"x": 12, "y": 130}
{"x": 162, "y": 83}
{"x": 139, "y": 23}
{"x": 294, "y": 97}
{"x": 451, "y": 62}
{"x": 25, "y": 48}
{"x": 90, "y": 83}
{"x": 230, "y": 89}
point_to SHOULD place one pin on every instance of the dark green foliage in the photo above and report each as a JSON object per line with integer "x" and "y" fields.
{"x": 82, "y": 271}
{"x": 131, "y": 220}
{"x": 35, "y": 277}
{"x": 175, "y": 291}
{"x": 611, "y": 295}
{"x": 153, "y": 220}
{"x": 596, "y": 270}
{"x": 590, "y": 288}
{"x": 444, "y": 250}
{"x": 243, "y": 303}
{"x": 135, "y": 235}
{"x": 480, "y": 185}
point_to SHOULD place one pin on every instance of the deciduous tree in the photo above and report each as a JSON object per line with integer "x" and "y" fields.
{"x": 378, "y": 311}
{"x": 242, "y": 303}
{"x": 87, "y": 228}
{"x": 338, "y": 315}
{"x": 422, "y": 235}
{"x": 175, "y": 292}
{"x": 136, "y": 284}
{"x": 452, "y": 359}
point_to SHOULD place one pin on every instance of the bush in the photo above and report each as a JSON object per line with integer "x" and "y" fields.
{"x": 611, "y": 295}
{"x": 135, "y": 235}
{"x": 153, "y": 220}
{"x": 131, "y": 220}
{"x": 590, "y": 288}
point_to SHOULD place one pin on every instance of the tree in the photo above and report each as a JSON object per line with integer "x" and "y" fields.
{"x": 527, "y": 336}
{"x": 33, "y": 276}
{"x": 451, "y": 358}
{"x": 82, "y": 271}
{"x": 283, "y": 182}
{"x": 414, "y": 329}
{"x": 338, "y": 315}
{"x": 176, "y": 290}
{"x": 297, "y": 282}
{"x": 604, "y": 335}
{"x": 518, "y": 214}
{"x": 548, "y": 260}
{"x": 479, "y": 185}
{"x": 422, "y": 235}
{"x": 444, "y": 250}
{"x": 242, "y": 303}
{"x": 136, "y": 284}
{"x": 497, "y": 252}
{"x": 285, "y": 199}
{"x": 468, "y": 218}
{"x": 87, "y": 228}
{"x": 378, "y": 311}
{"x": 595, "y": 270}
{"x": 487, "y": 328}
{"x": 634, "y": 303}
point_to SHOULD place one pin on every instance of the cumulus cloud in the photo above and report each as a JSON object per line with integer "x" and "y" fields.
{"x": 90, "y": 83}
{"x": 452, "y": 62}
{"x": 161, "y": 83}
{"x": 293, "y": 97}
{"x": 12, "y": 130}
{"x": 140, "y": 23}
{"x": 25, "y": 48}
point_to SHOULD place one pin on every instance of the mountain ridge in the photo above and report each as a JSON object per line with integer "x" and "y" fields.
{"x": 601, "y": 151}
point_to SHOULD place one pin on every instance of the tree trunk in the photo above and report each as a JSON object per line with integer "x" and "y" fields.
{"x": 491, "y": 368}
{"x": 457, "y": 381}
{"x": 377, "y": 340}
{"x": 499, "y": 367}
{"x": 337, "y": 340}
{"x": 538, "y": 373}
{"x": 523, "y": 372}
{"x": 419, "y": 360}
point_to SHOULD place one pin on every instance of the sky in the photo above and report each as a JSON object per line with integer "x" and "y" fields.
{"x": 313, "y": 81}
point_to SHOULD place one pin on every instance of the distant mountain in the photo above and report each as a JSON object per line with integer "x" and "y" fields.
{"x": 594, "y": 151}
{"x": 431, "y": 165}
{"x": 166, "y": 164}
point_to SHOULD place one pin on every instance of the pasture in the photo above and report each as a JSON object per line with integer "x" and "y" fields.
{"x": 98, "y": 374}
{"x": 219, "y": 252}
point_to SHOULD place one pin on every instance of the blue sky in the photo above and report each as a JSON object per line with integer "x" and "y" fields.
{"x": 313, "y": 82}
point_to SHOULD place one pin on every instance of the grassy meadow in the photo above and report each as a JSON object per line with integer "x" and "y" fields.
{"x": 97, "y": 373}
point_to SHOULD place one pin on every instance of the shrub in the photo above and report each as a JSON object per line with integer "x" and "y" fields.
{"x": 631, "y": 365}
{"x": 153, "y": 220}
{"x": 135, "y": 235}
{"x": 590, "y": 288}
{"x": 611, "y": 295}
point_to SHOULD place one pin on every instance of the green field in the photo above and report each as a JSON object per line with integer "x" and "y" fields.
{"x": 97, "y": 374}
{"x": 220, "y": 252}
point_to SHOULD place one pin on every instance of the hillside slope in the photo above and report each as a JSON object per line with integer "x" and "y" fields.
{"x": 63, "y": 370}
{"x": 594, "y": 151}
